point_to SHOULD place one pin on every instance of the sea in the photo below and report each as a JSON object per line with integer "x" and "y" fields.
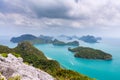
{"x": 99, "y": 69}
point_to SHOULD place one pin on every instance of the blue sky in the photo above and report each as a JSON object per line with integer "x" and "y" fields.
{"x": 55, "y": 17}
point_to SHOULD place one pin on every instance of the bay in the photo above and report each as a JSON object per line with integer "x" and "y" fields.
{"x": 99, "y": 69}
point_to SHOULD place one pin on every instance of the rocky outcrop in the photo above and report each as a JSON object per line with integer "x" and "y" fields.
{"x": 12, "y": 66}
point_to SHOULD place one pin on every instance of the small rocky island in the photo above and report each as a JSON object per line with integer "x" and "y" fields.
{"x": 90, "y": 53}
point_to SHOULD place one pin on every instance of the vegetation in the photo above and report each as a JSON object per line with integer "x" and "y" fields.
{"x": 4, "y": 55}
{"x": 5, "y": 49}
{"x": 33, "y": 39}
{"x": 23, "y": 38}
{"x": 89, "y": 53}
{"x": 15, "y": 78}
{"x": 74, "y": 43}
{"x": 41, "y": 40}
{"x": 2, "y": 77}
{"x": 71, "y": 75}
{"x": 32, "y": 55}
{"x": 61, "y": 43}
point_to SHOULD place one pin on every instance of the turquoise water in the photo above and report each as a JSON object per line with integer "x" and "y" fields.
{"x": 100, "y": 69}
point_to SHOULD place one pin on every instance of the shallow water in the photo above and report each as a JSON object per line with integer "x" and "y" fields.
{"x": 100, "y": 69}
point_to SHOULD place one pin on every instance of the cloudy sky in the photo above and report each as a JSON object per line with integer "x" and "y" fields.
{"x": 55, "y": 17}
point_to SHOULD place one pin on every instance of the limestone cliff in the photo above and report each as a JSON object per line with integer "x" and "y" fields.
{"x": 12, "y": 67}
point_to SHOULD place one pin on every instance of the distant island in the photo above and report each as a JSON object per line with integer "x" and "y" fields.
{"x": 42, "y": 40}
{"x": 33, "y": 39}
{"x": 36, "y": 58}
{"x": 61, "y": 43}
{"x": 90, "y": 53}
{"x": 90, "y": 39}
{"x": 55, "y": 41}
{"x": 87, "y": 38}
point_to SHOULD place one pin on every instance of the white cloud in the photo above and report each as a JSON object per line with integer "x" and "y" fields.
{"x": 79, "y": 14}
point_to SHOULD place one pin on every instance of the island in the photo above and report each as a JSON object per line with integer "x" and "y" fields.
{"x": 90, "y": 39}
{"x": 90, "y": 53}
{"x": 61, "y": 43}
{"x": 47, "y": 39}
{"x": 35, "y": 60}
{"x": 42, "y": 40}
{"x": 33, "y": 39}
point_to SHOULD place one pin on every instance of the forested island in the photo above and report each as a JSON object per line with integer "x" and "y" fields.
{"x": 90, "y": 53}
{"x": 61, "y": 43}
{"x": 42, "y": 40}
{"x": 33, "y": 56}
{"x": 33, "y": 39}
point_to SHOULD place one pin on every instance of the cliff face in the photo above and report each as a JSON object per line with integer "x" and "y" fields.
{"x": 12, "y": 67}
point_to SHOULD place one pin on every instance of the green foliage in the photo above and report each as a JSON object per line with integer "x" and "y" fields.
{"x": 33, "y": 39}
{"x": 74, "y": 43}
{"x": 15, "y": 78}
{"x": 5, "y": 49}
{"x": 1, "y": 78}
{"x": 32, "y": 55}
{"x": 50, "y": 66}
{"x": 70, "y": 75}
{"x": 16, "y": 55}
{"x": 61, "y": 43}
{"x": 90, "y": 53}
{"x": 4, "y": 54}
{"x": 28, "y": 52}
{"x": 26, "y": 63}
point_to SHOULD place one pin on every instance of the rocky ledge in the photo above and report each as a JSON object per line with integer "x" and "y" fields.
{"x": 12, "y": 66}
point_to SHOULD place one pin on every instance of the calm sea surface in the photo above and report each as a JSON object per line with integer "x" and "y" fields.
{"x": 100, "y": 69}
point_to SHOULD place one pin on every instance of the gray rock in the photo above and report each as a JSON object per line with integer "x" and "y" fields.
{"x": 12, "y": 66}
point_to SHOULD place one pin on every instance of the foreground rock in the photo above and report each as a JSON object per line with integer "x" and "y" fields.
{"x": 90, "y": 53}
{"x": 12, "y": 67}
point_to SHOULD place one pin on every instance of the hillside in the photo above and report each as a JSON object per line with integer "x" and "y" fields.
{"x": 36, "y": 58}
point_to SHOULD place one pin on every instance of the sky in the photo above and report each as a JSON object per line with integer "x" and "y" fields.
{"x": 56, "y": 17}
